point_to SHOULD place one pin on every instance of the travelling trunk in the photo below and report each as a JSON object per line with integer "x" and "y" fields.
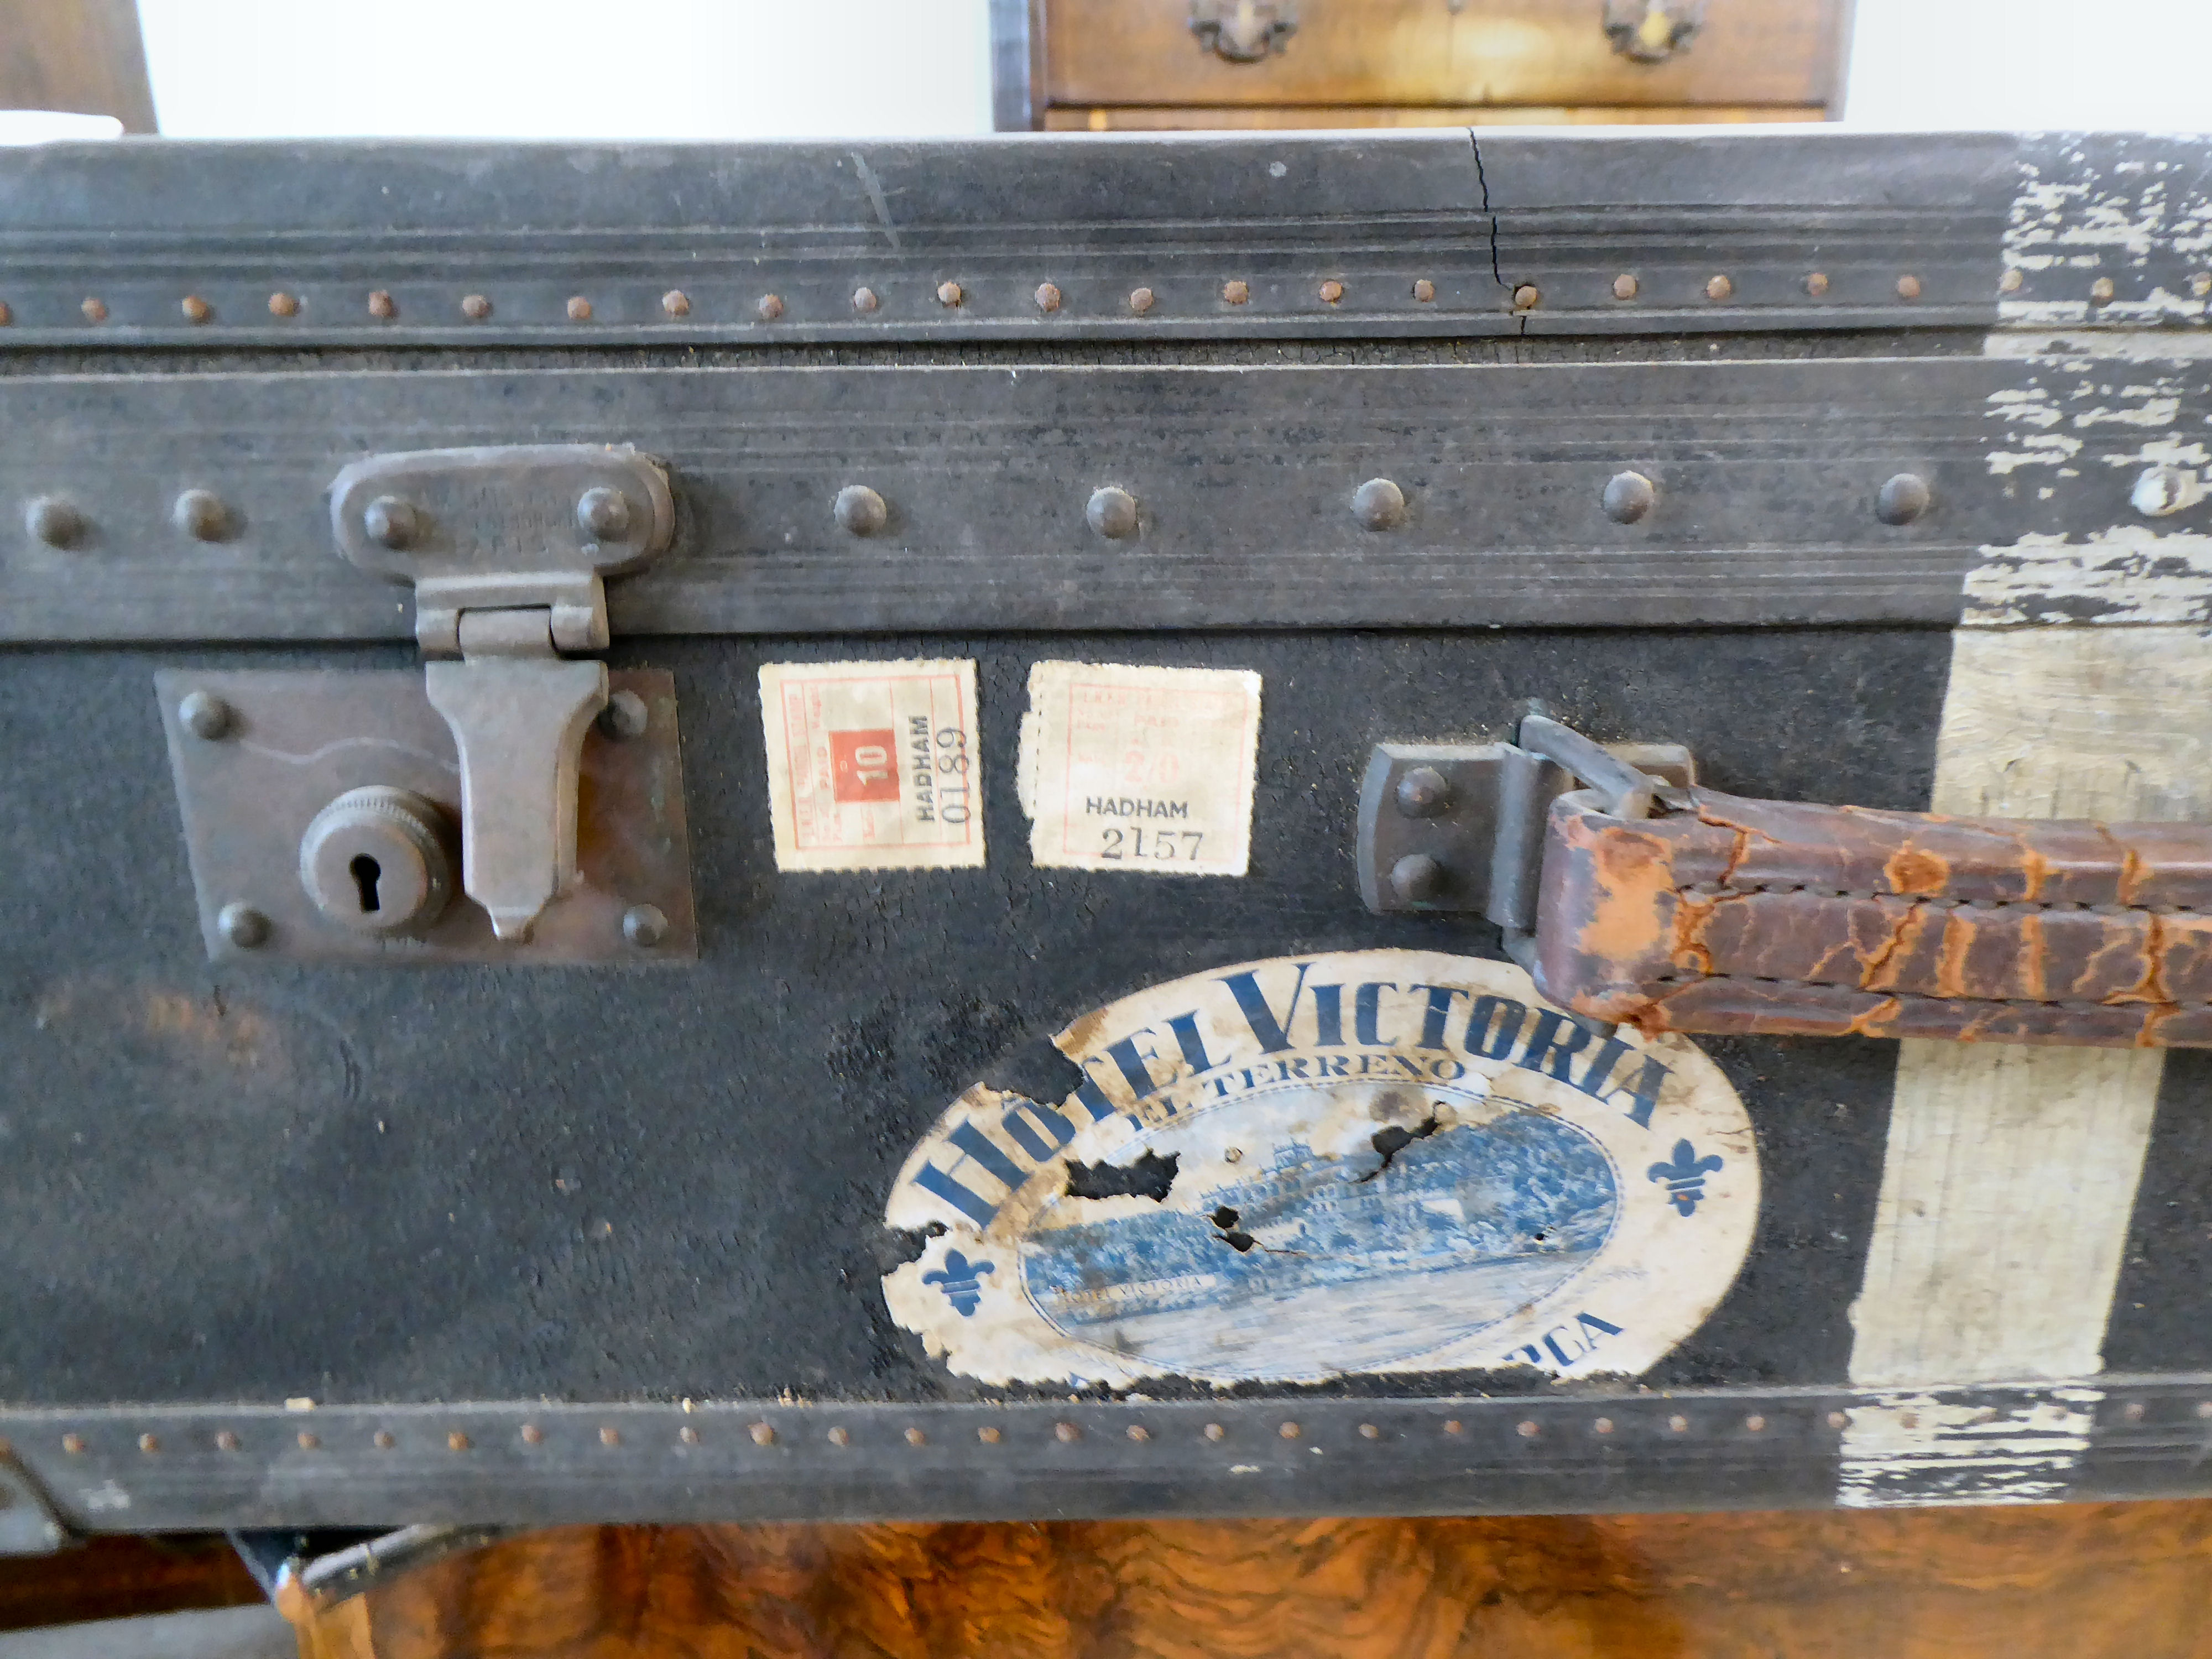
{"x": 1062, "y": 827}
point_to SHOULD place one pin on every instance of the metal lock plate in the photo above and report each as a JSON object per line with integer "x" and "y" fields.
{"x": 1460, "y": 827}
{"x": 284, "y": 746}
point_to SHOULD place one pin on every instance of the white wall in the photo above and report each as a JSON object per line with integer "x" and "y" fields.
{"x": 548, "y": 69}
{"x": 728, "y": 68}
{"x": 2022, "y": 64}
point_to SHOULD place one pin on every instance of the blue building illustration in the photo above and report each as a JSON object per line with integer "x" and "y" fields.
{"x": 1319, "y": 1265}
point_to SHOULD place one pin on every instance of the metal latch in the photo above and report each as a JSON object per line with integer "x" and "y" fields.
{"x": 508, "y": 550}
{"x": 1460, "y": 827}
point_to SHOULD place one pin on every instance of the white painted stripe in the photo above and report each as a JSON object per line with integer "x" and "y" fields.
{"x": 1922, "y": 1449}
{"x": 2010, "y": 1173}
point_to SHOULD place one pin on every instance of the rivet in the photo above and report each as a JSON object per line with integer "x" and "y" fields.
{"x": 1908, "y": 1419}
{"x": 859, "y": 510}
{"x": 391, "y": 521}
{"x": 610, "y": 1436}
{"x": 2164, "y": 490}
{"x": 1112, "y": 512}
{"x": 1718, "y": 287}
{"x": 1047, "y": 296}
{"x": 948, "y": 294}
{"x": 150, "y": 1443}
{"x": 283, "y": 305}
{"x": 644, "y": 926}
{"x": 1678, "y": 1425}
{"x": 580, "y": 309}
{"x": 1628, "y": 496}
{"x": 676, "y": 302}
{"x": 1755, "y": 1423}
{"x": 476, "y": 307}
{"x": 2011, "y": 281}
{"x": 195, "y": 309}
{"x": 1839, "y": 1419}
{"x": 1423, "y": 793}
{"x": 382, "y": 1440}
{"x": 1331, "y": 291}
{"x": 988, "y": 1435}
{"x": 840, "y": 1436}
{"x": 1527, "y": 297}
{"x": 7, "y": 314}
{"x": 2101, "y": 289}
{"x": 53, "y": 520}
{"x": 603, "y": 513}
{"x": 94, "y": 311}
{"x": 763, "y": 1434}
{"x": 863, "y": 299}
{"x": 204, "y": 715}
{"x": 1065, "y": 1433}
{"x": 1233, "y": 1155}
{"x": 306, "y": 1440}
{"x": 916, "y": 1437}
{"x": 1624, "y": 286}
{"x": 1290, "y": 1430}
{"x": 625, "y": 715}
{"x": 73, "y": 1443}
{"x": 1138, "y": 1431}
{"x": 2204, "y": 1408}
{"x": 1603, "y": 1426}
{"x": 243, "y": 925}
{"x": 2201, "y": 283}
{"x": 380, "y": 305}
{"x": 457, "y": 1441}
{"x": 1215, "y": 1431}
{"x": 1908, "y": 286}
{"x": 1901, "y": 499}
{"x": 1453, "y": 1425}
{"x": 1378, "y": 504}
{"x": 768, "y": 307}
{"x": 1424, "y": 290}
{"x": 1369, "y": 1431}
{"x": 2133, "y": 1410}
{"x": 1416, "y": 878}
{"x": 1236, "y": 292}
{"x": 1140, "y": 300}
{"x": 1816, "y": 284}
{"x": 201, "y": 514}
{"x": 1527, "y": 1430}
{"x": 226, "y": 1441}
{"x": 688, "y": 1435}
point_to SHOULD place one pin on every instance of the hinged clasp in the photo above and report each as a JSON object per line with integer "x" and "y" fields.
{"x": 508, "y": 550}
{"x": 1460, "y": 827}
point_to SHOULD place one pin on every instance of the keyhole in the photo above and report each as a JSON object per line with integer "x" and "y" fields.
{"x": 366, "y": 874}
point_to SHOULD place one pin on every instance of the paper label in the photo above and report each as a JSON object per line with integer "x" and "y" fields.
{"x": 1310, "y": 1167}
{"x": 1144, "y": 769}
{"x": 873, "y": 765}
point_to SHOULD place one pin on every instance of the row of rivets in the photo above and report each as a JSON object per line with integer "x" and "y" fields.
{"x": 200, "y": 513}
{"x": 1048, "y": 297}
{"x": 765, "y": 1434}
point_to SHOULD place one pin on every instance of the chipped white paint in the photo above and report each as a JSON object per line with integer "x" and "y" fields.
{"x": 1365, "y": 1162}
{"x": 2130, "y": 574}
{"x": 2157, "y": 409}
{"x": 2009, "y": 1176}
{"x": 2102, "y": 219}
{"x": 1922, "y": 1449}
{"x": 2076, "y": 348}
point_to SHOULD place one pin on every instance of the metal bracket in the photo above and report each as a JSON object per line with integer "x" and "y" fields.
{"x": 29, "y": 1524}
{"x": 1459, "y": 827}
{"x": 508, "y": 550}
{"x": 305, "y": 1573}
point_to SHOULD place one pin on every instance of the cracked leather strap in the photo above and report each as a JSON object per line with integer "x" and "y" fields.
{"x": 1726, "y": 915}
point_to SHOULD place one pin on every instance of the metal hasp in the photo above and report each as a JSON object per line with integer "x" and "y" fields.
{"x": 28, "y": 1525}
{"x": 1459, "y": 827}
{"x": 508, "y": 550}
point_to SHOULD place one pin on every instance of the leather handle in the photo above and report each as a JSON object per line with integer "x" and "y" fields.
{"x": 1731, "y": 916}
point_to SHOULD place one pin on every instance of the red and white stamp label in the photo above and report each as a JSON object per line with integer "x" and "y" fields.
{"x": 873, "y": 765}
{"x": 1139, "y": 768}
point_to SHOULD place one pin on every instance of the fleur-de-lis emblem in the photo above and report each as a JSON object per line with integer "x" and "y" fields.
{"x": 1686, "y": 1176}
{"x": 963, "y": 1283}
